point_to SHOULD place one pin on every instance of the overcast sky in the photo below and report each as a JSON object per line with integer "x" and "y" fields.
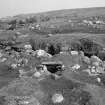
{"x": 14, "y": 7}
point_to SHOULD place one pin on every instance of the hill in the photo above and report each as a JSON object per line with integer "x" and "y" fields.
{"x": 85, "y": 20}
{"x": 82, "y": 12}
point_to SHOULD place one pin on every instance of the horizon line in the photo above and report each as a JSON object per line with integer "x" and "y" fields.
{"x": 48, "y": 11}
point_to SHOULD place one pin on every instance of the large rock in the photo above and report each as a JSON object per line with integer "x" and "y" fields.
{"x": 74, "y": 53}
{"x": 37, "y": 74}
{"x": 28, "y": 46}
{"x": 76, "y": 67}
{"x": 95, "y": 59}
{"x": 81, "y": 53}
{"x": 14, "y": 66}
{"x": 86, "y": 60}
{"x": 57, "y": 98}
{"x": 100, "y": 69}
{"x": 42, "y": 53}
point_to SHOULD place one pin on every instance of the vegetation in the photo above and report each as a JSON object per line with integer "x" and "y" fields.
{"x": 65, "y": 32}
{"x": 90, "y": 47}
{"x": 44, "y": 18}
{"x": 65, "y": 87}
{"x": 37, "y": 44}
{"x": 31, "y": 20}
{"x": 51, "y": 47}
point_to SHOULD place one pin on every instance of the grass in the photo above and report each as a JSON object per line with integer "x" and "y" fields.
{"x": 6, "y": 75}
{"x": 72, "y": 92}
{"x": 20, "y": 88}
{"x": 81, "y": 77}
{"x": 2, "y": 100}
{"x": 71, "y": 89}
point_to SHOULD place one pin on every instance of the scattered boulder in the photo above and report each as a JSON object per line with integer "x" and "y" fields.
{"x": 37, "y": 74}
{"x": 96, "y": 64}
{"x": 98, "y": 79}
{"x": 3, "y": 59}
{"x": 93, "y": 70}
{"x": 14, "y": 66}
{"x": 81, "y": 53}
{"x": 42, "y": 53}
{"x": 22, "y": 72}
{"x": 18, "y": 34}
{"x": 57, "y": 98}
{"x": 95, "y": 59}
{"x": 70, "y": 21}
{"x": 76, "y": 67}
{"x": 28, "y": 46}
{"x": 74, "y": 53}
{"x": 49, "y": 35}
{"x": 31, "y": 27}
{"x": 86, "y": 59}
{"x": 99, "y": 70}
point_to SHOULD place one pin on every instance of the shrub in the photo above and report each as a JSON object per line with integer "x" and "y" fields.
{"x": 37, "y": 44}
{"x": 52, "y": 47}
{"x": 12, "y": 22}
{"x": 44, "y": 18}
{"x": 31, "y": 20}
{"x": 58, "y": 48}
{"x": 12, "y": 27}
{"x": 90, "y": 47}
{"x": 76, "y": 45}
{"x": 101, "y": 55}
{"x": 21, "y": 22}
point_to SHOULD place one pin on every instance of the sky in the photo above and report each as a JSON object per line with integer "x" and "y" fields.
{"x": 15, "y": 7}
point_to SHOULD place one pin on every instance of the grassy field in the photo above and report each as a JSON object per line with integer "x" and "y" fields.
{"x": 6, "y": 75}
{"x": 68, "y": 28}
